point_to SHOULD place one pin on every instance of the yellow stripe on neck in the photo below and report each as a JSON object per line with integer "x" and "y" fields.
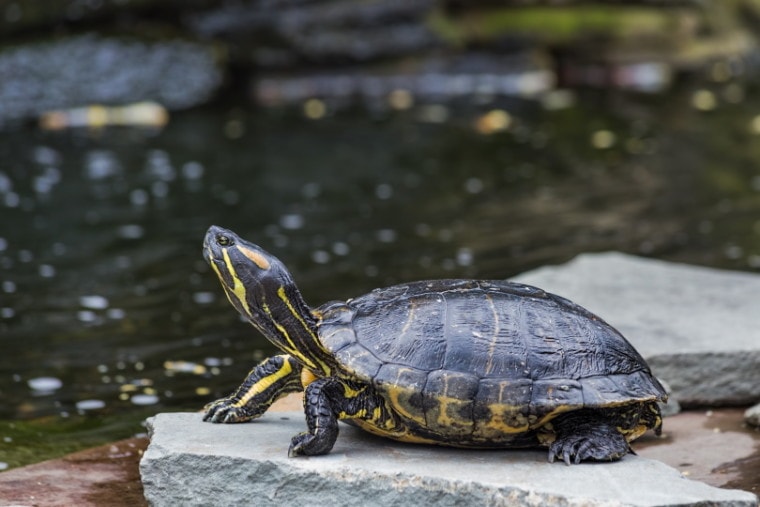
{"x": 238, "y": 289}
{"x": 309, "y": 330}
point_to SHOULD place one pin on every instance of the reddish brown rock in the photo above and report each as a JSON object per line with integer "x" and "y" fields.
{"x": 104, "y": 476}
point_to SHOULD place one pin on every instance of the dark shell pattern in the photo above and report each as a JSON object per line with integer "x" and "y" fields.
{"x": 484, "y": 348}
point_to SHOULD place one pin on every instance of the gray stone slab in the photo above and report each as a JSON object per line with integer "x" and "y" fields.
{"x": 699, "y": 328}
{"x": 190, "y": 462}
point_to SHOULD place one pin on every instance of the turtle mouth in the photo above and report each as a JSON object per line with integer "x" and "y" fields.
{"x": 208, "y": 252}
{"x": 213, "y": 253}
{"x": 212, "y": 249}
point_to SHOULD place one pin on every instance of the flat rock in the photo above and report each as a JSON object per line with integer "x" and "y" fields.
{"x": 699, "y": 328}
{"x": 104, "y": 476}
{"x": 190, "y": 462}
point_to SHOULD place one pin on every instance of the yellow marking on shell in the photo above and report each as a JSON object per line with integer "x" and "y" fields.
{"x": 307, "y": 377}
{"x": 444, "y": 418}
{"x": 255, "y": 257}
{"x": 401, "y": 435}
{"x": 505, "y": 419}
{"x": 393, "y": 394}
{"x": 264, "y": 384}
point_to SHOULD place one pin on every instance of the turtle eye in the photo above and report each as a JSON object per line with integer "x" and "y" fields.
{"x": 223, "y": 240}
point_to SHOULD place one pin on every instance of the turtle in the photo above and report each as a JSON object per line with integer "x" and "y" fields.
{"x": 461, "y": 363}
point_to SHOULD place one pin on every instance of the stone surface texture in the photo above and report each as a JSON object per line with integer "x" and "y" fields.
{"x": 104, "y": 476}
{"x": 190, "y": 462}
{"x": 699, "y": 328}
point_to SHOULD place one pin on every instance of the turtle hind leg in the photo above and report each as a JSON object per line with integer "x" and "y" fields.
{"x": 584, "y": 435}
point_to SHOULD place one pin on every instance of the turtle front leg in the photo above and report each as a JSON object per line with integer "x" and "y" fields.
{"x": 266, "y": 383}
{"x": 585, "y": 435}
{"x": 329, "y": 399}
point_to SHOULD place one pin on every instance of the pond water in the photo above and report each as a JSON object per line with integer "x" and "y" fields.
{"x": 108, "y": 312}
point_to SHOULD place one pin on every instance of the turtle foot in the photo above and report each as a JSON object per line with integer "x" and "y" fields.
{"x": 306, "y": 444}
{"x": 587, "y": 440}
{"x": 226, "y": 411}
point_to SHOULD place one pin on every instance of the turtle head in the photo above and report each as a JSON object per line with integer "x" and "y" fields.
{"x": 261, "y": 288}
{"x": 249, "y": 274}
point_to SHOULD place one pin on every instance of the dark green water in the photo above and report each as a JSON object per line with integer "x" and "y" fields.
{"x": 108, "y": 313}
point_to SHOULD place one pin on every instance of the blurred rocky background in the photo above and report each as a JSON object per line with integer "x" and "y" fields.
{"x": 60, "y": 54}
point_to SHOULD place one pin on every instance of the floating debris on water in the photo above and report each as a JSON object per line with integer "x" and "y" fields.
{"x": 131, "y": 231}
{"x": 46, "y": 270}
{"x": 320, "y": 256}
{"x": 400, "y": 99}
{"x": 340, "y": 248}
{"x": 93, "y": 302}
{"x": 314, "y": 109}
{"x": 704, "y": 100}
{"x": 102, "y": 164}
{"x": 464, "y": 256}
{"x": 204, "y": 297}
{"x": 603, "y": 139}
{"x": 292, "y": 221}
{"x": 172, "y": 367}
{"x": 192, "y": 170}
{"x": 144, "y": 399}
{"x": 85, "y": 405}
{"x": 45, "y": 384}
{"x": 140, "y": 114}
{"x": 86, "y": 316}
{"x": 496, "y": 120}
{"x": 116, "y": 313}
{"x": 386, "y": 235}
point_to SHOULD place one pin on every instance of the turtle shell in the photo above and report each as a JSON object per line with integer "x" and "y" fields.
{"x": 484, "y": 360}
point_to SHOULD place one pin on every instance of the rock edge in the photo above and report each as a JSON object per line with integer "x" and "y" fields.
{"x": 190, "y": 462}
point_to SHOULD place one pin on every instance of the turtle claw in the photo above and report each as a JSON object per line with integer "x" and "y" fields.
{"x": 306, "y": 444}
{"x": 224, "y": 411}
{"x": 576, "y": 448}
